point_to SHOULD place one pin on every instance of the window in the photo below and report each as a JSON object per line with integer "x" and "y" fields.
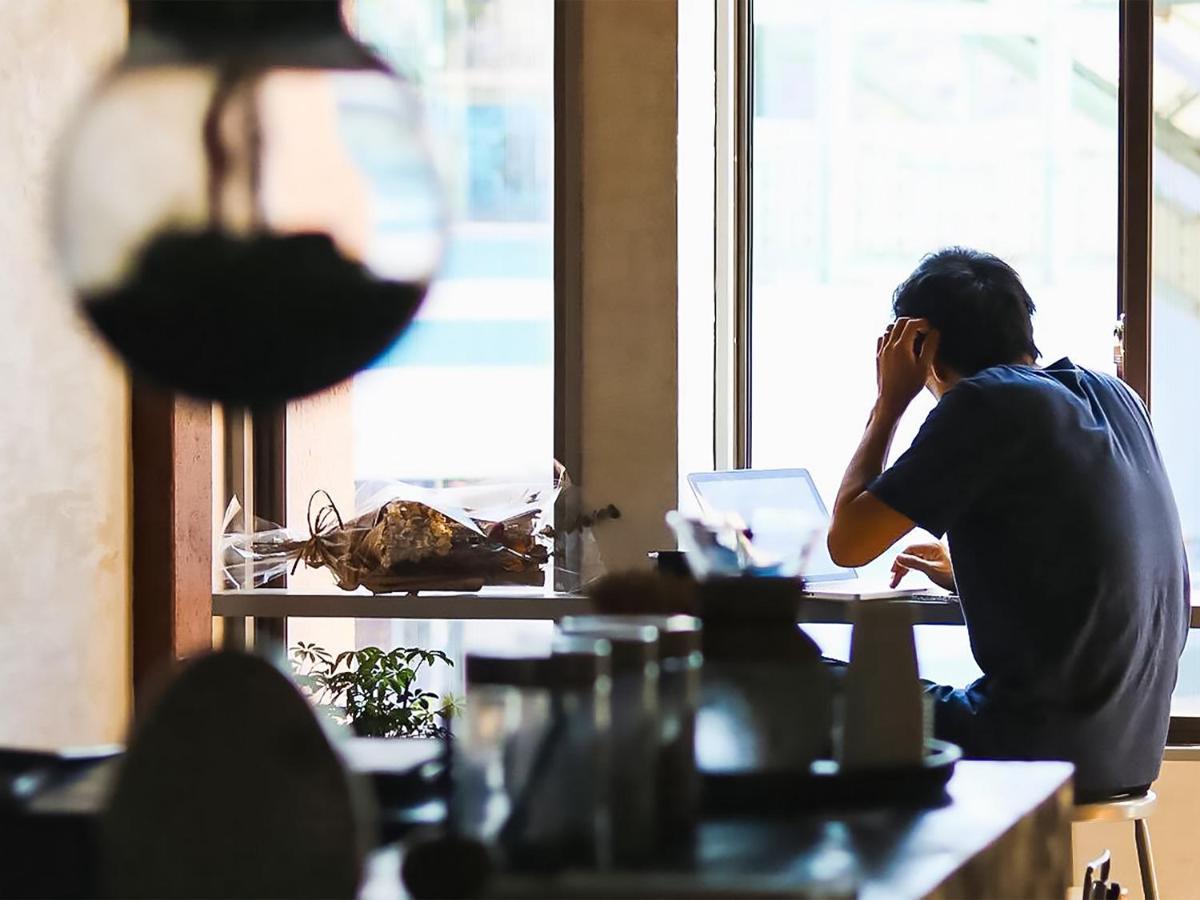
{"x": 501, "y": 354}
{"x": 883, "y": 131}
{"x": 1175, "y": 302}
{"x": 466, "y": 394}
{"x": 879, "y": 131}
{"x": 438, "y": 408}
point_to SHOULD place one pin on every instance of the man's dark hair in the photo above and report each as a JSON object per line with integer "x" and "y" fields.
{"x": 978, "y": 304}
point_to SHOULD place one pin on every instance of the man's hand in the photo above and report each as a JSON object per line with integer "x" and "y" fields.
{"x": 900, "y": 372}
{"x": 863, "y": 526}
{"x": 932, "y": 559}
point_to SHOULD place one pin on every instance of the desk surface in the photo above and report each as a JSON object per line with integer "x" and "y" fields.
{"x": 503, "y": 603}
{"x": 491, "y": 603}
{"x": 1003, "y": 832}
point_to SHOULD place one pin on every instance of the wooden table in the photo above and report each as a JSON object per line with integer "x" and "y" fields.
{"x": 1004, "y": 832}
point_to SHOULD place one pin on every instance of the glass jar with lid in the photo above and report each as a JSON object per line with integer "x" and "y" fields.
{"x": 560, "y": 818}
{"x": 680, "y": 662}
{"x": 633, "y": 778}
{"x": 507, "y": 714}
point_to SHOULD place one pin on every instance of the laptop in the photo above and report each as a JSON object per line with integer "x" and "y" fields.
{"x": 757, "y": 496}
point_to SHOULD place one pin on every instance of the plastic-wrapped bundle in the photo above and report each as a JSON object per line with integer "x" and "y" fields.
{"x": 406, "y": 538}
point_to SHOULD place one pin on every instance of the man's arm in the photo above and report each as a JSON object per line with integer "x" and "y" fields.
{"x": 863, "y": 526}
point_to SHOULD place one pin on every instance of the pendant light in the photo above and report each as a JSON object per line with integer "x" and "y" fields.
{"x": 245, "y": 207}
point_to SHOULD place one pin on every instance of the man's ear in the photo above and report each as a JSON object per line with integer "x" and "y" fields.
{"x": 940, "y": 378}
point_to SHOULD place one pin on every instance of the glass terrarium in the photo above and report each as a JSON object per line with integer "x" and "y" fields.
{"x": 246, "y": 207}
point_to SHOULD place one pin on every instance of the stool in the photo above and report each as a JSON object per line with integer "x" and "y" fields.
{"x": 1126, "y": 809}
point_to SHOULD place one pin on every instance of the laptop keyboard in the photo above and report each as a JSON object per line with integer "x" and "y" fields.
{"x": 933, "y": 598}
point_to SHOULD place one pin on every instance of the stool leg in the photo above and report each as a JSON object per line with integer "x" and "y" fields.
{"x": 1141, "y": 836}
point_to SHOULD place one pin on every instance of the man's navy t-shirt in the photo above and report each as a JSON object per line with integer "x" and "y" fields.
{"x": 1069, "y": 560}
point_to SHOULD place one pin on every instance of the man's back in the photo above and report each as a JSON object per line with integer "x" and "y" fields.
{"x": 1069, "y": 561}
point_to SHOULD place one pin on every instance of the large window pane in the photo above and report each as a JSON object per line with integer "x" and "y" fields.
{"x": 883, "y": 131}
{"x": 1175, "y": 321}
{"x": 466, "y": 395}
{"x": 1175, "y": 307}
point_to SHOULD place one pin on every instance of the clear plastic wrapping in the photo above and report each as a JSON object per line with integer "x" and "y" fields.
{"x": 404, "y": 537}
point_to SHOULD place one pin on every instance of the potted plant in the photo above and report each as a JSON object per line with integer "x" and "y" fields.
{"x": 374, "y": 691}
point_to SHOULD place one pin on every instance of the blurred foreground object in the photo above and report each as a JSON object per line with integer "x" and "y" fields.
{"x": 245, "y": 206}
{"x": 722, "y": 546}
{"x": 642, "y": 593}
{"x": 230, "y": 788}
{"x": 885, "y": 723}
{"x": 766, "y": 699}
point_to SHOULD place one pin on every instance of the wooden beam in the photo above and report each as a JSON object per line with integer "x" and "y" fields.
{"x": 171, "y": 443}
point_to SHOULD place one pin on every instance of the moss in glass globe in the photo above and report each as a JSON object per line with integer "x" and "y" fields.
{"x": 247, "y": 230}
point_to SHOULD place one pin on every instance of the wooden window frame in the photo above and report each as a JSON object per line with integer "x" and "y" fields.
{"x": 172, "y": 465}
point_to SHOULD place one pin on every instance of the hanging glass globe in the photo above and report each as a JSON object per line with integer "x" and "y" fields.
{"x": 245, "y": 207}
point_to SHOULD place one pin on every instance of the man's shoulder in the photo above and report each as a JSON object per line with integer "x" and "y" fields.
{"x": 1060, "y": 391}
{"x": 997, "y": 381}
{"x": 1050, "y": 379}
{"x": 1005, "y": 375}
{"x": 1029, "y": 391}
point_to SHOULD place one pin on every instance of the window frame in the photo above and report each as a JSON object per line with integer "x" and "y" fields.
{"x": 587, "y": 97}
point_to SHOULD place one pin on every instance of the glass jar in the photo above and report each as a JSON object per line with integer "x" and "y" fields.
{"x": 680, "y": 661}
{"x": 507, "y": 715}
{"x": 561, "y": 819}
{"x": 633, "y": 780}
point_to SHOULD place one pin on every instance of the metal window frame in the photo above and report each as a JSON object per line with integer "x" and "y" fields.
{"x": 1135, "y": 160}
{"x": 734, "y": 160}
{"x": 254, "y": 466}
{"x": 568, "y": 278}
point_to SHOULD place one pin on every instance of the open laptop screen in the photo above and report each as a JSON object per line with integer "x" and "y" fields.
{"x": 757, "y": 496}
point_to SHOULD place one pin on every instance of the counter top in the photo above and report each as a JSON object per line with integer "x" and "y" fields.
{"x": 493, "y": 603}
{"x": 1003, "y": 831}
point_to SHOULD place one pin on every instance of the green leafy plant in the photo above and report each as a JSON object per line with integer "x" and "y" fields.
{"x": 374, "y": 691}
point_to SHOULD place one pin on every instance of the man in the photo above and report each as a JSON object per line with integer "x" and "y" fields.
{"x": 1064, "y": 541}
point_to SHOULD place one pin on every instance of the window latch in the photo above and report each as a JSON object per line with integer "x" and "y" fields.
{"x": 1119, "y": 346}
